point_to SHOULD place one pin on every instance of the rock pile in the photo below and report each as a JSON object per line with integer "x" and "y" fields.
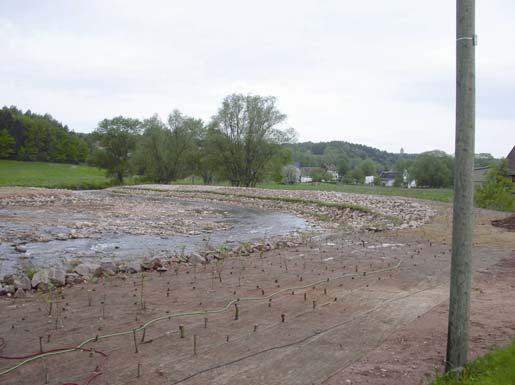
{"x": 19, "y": 284}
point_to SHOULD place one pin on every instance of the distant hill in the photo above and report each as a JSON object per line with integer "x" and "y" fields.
{"x": 309, "y": 154}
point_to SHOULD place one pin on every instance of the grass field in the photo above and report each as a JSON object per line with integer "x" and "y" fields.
{"x": 51, "y": 175}
{"x": 496, "y": 368}
{"x": 440, "y": 195}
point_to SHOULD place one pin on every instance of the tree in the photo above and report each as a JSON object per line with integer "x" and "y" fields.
{"x": 291, "y": 174}
{"x": 497, "y": 192}
{"x": 368, "y": 167}
{"x": 41, "y": 137}
{"x": 433, "y": 169}
{"x": 402, "y": 175}
{"x": 206, "y": 162}
{"x": 166, "y": 153}
{"x": 7, "y": 144}
{"x": 319, "y": 175}
{"x": 246, "y": 137}
{"x": 116, "y": 141}
{"x": 343, "y": 167}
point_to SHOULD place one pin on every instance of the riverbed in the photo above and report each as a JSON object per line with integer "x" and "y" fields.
{"x": 48, "y": 228}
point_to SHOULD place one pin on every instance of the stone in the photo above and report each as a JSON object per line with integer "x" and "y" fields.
{"x": 3, "y": 290}
{"x": 9, "y": 289}
{"x": 57, "y": 276}
{"x": 44, "y": 277}
{"x": 131, "y": 267}
{"x": 145, "y": 266}
{"x": 40, "y": 280}
{"x": 21, "y": 281}
{"x": 8, "y": 279}
{"x": 73, "y": 279}
{"x": 20, "y": 249}
{"x": 20, "y": 293}
{"x": 87, "y": 269}
{"x": 109, "y": 268}
{"x": 155, "y": 264}
{"x": 196, "y": 258}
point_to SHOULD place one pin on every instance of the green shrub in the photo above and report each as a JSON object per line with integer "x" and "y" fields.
{"x": 497, "y": 192}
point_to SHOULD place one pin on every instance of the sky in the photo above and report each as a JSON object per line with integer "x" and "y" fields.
{"x": 379, "y": 73}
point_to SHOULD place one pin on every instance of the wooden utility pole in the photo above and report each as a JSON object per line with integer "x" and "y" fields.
{"x": 462, "y": 226}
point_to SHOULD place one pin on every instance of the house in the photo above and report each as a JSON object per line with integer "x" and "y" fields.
{"x": 332, "y": 171}
{"x": 388, "y": 178}
{"x": 479, "y": 175}
{"x": 511, "y": 164}
{"x": 306, "y": 174}
{"x": 317, "y": 174}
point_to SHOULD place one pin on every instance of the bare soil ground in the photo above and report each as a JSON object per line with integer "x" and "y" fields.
{"x": 380, "y": 319}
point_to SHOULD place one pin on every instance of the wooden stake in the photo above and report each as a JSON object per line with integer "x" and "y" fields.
{"x": 135, "y": 342}
{"x": 181, "y": 331}
{"x": 194, "y": 344}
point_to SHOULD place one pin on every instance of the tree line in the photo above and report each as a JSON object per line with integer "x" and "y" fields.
{"x": 30, "y": 136}
{"x": 241, "y": 144}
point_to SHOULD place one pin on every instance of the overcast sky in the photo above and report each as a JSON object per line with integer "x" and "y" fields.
{"x": 376, "y": 72}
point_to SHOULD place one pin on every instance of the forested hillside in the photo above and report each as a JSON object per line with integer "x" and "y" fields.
{"x": 30, "y": 136}
{"x": 309, "y": 154}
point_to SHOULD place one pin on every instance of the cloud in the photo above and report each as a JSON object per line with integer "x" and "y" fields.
{"x": 377, "y": 73}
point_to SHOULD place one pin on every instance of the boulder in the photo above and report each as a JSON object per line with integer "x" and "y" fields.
{"x": 20, "y": 293}
{"x": 131, "y": 267}
{"x": 57, "y": 276}
{"x": 88, "y": 269}
{"x": 20, "y": 249}
{"x": 108, "y": 268}
{"x": 21, "y": 281}
{"x": 8, "y": 279}
{"x": 196, "y": 259}
{"x": 145, "y": 266}
{"x": 9, "y": 289}
{"x": 44, "y": 277}
{"x": 155, "y": 264}
{"x": 40, "y": 280}
{"x": 3, "y": 290}
{"x": 73, "y": 279}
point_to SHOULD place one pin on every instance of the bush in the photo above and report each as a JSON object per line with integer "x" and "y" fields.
{"x": 497, "y": 192}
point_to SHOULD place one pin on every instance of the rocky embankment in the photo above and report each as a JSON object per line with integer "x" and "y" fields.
{"x": 23, "y": 283}
{"x": 358, "y": 211}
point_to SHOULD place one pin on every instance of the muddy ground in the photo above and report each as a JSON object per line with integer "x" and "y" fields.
{"x": 380, "y": 319}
